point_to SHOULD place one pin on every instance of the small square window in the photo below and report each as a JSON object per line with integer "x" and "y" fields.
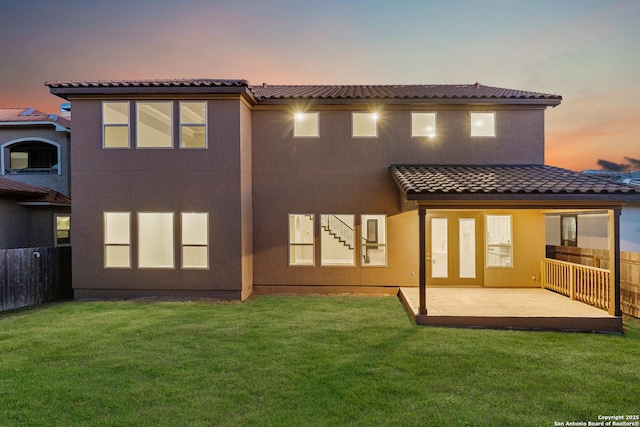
{"x": 305, "y": 125}
{"x": 483, "y": 124}
{"x": 365, "y": 125}
{"x": 423, "y": 125}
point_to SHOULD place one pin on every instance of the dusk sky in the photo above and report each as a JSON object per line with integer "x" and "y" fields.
{"x": 587, "y": 51}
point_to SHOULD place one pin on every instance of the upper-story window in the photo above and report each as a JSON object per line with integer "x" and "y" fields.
{"x": 423, "y": 125}
{"x": 306, "y": 125}
{"x": 364, "y": 125}
{"x": 483, "y": 124}
{"x": 32, "y": 157}
{"x": 193, "y": 124}
{"x": 154, "y": 124}
{"x": 115, "y": 122}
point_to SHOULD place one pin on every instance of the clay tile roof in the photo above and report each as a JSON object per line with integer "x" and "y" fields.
{"x": 31, "y": 194}
{"x": 417, "y": 181}
{"x": 26, "y": 115}
{"x": 146, "y": 83}
{"x": 15, "y": 188}
{"x": 474, "y": 91}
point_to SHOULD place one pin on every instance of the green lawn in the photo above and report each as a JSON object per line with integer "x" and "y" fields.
{"x": 278, "y": 361}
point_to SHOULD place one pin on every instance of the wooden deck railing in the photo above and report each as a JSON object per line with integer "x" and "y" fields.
{"x": 579, "y": 282}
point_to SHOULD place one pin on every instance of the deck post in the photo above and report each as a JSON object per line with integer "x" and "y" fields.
{"x": 614, "y": 262}
{"x": 422, "y": 212}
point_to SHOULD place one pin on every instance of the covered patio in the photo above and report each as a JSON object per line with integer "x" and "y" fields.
{"x": 453, "y": 196}
{"x": 507, "y": 308}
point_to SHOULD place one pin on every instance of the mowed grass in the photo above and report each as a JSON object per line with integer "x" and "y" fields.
{"x": 288, "y": 360}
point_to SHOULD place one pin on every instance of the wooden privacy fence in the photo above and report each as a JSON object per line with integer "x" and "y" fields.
{"x": 590, "y": 285}
{"x": 31, "y": 276}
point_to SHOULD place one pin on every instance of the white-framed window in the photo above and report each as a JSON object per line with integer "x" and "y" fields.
{"x": 483, "y": 124}
{"x": 337, "y": 240}
{"x": 306, "y": 125}
{"x": 154, "y": 124}
{"x": 62, "y": 227}
{"x": 499, "y": 241}
{"x": 374, "y": 240}
{"x": 193, "y": 124}
{"x": 195, "y": 240}
{"x": 364, "y": 125}
{"x": 301, "y": 238}
{"x": 155, "y": 240}
{"x": 117, "y": 239}
{"x": 423, "y": 124}
{"x": 115, "y": 124}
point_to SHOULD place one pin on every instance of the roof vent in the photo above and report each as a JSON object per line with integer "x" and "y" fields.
{"x": 65, "y": 110}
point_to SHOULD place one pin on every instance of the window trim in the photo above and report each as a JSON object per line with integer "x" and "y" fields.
{"x": 106, "y": 244}
{"x": 375, "y": 116}
{"x": 205, "y": 124}
{"x": 364, "y": 245}
{"x": 55, "y": 229}
{"x": 126, "y": 125}
{"x": 296, "y": 117}
{"x": 499, "y": 245}
{"x": 172, "y": 119}
{"x": 570, "y": 242}
{"x": 355, "y": 239}
{"x": 291, "y": 244}
{"x": 7, "y": 146}
{"x": 495, "y": 128}
{"x": 435, "y": 124}
{"x": 172, "y": 246}
{"x": 183, "y": 245}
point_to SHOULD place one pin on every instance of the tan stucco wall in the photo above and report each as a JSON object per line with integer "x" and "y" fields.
{"x": 528, "y": 250}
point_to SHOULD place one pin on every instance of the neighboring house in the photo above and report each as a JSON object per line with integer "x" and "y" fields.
{"x": 33, "y": 216}
{"x": 216, "y": 188}
{"x": 35, "y": 180}
{"x": 34, "y": 148}
{"x": 589, "y": 230}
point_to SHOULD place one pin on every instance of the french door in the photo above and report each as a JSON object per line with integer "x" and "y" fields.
{"x": 455, "y": 249}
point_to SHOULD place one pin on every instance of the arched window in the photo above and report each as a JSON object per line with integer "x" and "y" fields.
{"x": 31, "y": 156}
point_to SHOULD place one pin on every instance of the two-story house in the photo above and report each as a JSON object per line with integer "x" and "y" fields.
{"x": 216, "y": 188}
{"x": 34, "y": 178}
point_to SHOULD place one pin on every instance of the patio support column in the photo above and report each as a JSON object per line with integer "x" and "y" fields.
{"x": 422, "y": 212}
{"x": 614, "y": 262}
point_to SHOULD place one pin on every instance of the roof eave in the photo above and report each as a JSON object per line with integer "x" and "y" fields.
{"x": 546, "y": 102}
{"x": 71, "y": 92}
